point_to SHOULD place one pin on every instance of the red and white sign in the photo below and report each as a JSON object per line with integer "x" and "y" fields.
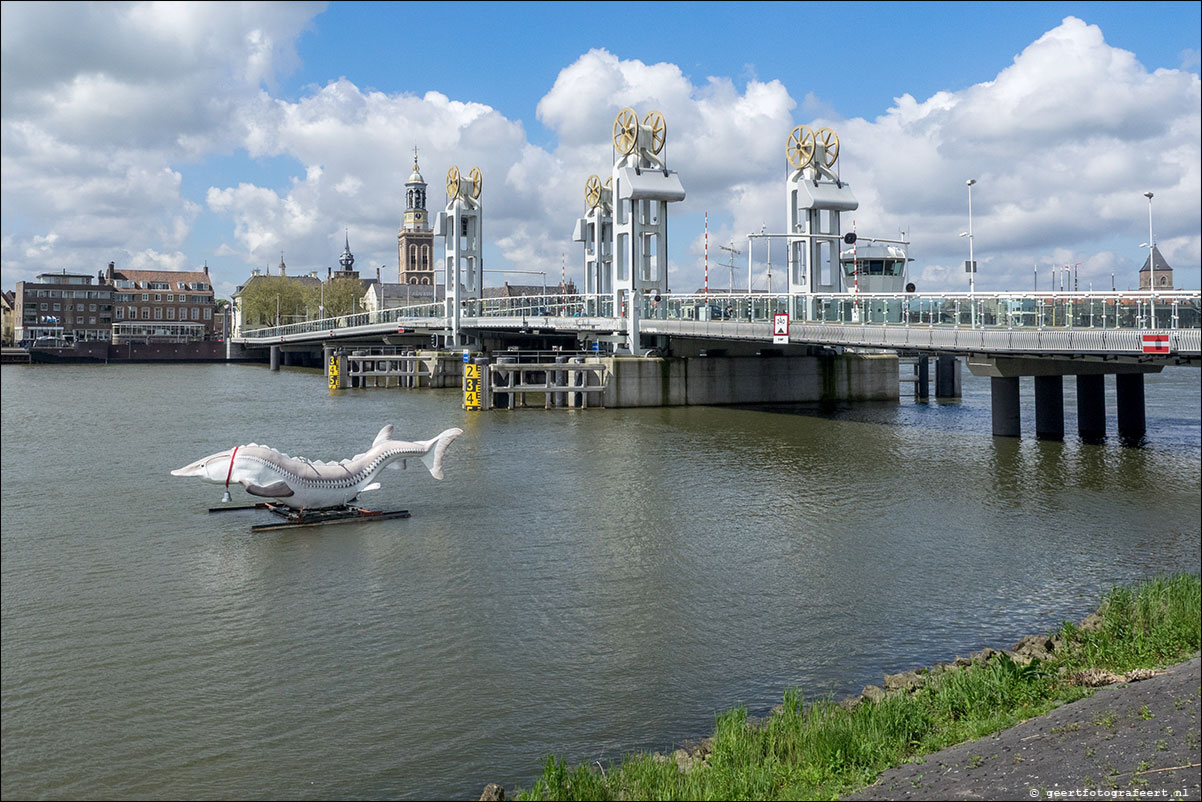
{"x": 1156, "y": 343}
{"x": 780, "y": 328}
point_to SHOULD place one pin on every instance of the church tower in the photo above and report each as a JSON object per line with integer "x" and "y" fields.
{"x": 415, "y": 240}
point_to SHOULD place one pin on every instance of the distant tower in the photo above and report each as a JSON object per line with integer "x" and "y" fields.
{"x": 1164, "y": 273}
{"x": 283, "y": 267}
{"x": 415, "y": 240}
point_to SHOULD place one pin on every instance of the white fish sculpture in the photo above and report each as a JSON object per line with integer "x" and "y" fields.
{"x": 302, "y": 484}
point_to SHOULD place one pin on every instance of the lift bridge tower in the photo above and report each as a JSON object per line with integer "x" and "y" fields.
{"x": 596, "y": 231}
{"x": 642, "y": 188}
{"x": 460, "y": 225}
{"x": 815, "y": 198}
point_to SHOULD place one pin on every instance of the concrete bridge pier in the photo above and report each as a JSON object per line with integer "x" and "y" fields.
{"x": 275, "y": 357}
{"x": 947, "y": 376}
{"x": 1049, "y": 407}
{"x": 1049, "y": 376}
{"x": 1007, "y": 416}
{"x": 1129, "y": 393}
{"x": 1091, "y": 406}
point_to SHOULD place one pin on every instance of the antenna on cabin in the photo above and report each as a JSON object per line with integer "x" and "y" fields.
{"x": 733, "y": 253}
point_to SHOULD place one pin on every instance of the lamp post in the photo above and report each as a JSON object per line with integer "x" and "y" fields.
{"x": 1151, "y": 245}
{"x": 972, "y": 264}
{"x": 277, "y": 309}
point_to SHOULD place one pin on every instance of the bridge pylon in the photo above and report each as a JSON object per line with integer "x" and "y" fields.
{"x": 642, "y": 188}
{"x": 460, "y": 225}
{"x": 815, "y": 197}
{"x": 595, "y": 231}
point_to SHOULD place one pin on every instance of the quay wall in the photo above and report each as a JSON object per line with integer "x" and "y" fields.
{"x": 714, "y": 380}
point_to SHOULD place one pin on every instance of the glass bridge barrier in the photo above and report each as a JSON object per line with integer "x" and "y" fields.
{"x": 1177, "y": 309}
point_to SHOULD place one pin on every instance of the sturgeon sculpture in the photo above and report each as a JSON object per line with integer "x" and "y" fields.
{"x": 306, "y": 485}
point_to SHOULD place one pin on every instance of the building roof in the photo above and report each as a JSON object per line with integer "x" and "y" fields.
{"x": 165, "y": 276}
{"x": 1161, "y": 264}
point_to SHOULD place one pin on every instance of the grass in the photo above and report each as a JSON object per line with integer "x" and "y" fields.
{"x": 822, "y": 749}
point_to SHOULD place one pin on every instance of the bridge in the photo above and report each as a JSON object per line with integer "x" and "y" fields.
{"x": 835, "y": 331}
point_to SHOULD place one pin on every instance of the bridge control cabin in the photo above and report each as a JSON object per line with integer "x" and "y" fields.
{"x": 875, "y": 267}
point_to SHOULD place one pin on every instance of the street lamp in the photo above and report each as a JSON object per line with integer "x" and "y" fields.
{"x": 1151, "y": 245}
{"x": 972, "y": 264}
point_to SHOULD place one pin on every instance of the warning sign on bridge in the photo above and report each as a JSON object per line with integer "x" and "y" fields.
{"x": 780, "y": 328}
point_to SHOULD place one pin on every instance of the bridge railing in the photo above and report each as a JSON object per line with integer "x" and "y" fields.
{"x": 1177, "y": 309}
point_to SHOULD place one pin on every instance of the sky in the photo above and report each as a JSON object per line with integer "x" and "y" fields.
{"x": 176, "y": 135}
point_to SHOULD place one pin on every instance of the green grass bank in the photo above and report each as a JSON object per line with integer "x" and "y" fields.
{"x": 823, "y": 749}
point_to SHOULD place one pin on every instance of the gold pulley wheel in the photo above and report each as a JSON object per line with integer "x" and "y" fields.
{"x": 829, "y": 140}
{"x": 659, "y": 130}
{"x": 626, "y": 131}
{"x": 453, "y": 182}
{"x": 592, "y": 191}
{"x": 477, "y": 182}
{"x": 800, "y": 148}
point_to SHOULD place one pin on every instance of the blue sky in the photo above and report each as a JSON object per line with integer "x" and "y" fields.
{"x": 171, "y": 135}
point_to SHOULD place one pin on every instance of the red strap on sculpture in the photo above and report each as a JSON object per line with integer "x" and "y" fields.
{"x": 231, "y": 470}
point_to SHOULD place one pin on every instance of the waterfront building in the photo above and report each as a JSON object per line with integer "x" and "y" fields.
{"x": 63, "y": 306}
{"x": 176, "y": 301}
{"x": 507, "y": 290}
{"x": 1163, "y": 272}
{"x": 380, "y": 295}
{"x": 415, "y": 240}
{"x": 8, "y": 301}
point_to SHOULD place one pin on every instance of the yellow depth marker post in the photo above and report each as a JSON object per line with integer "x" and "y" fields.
{"x": 471, "y": 386}
{"x": 334, "y": 378}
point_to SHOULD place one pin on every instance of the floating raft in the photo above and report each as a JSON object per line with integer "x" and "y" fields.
{"x": 328, "y": 516}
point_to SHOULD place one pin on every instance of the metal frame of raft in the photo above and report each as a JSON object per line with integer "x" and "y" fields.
{"x": 295, "y": 519}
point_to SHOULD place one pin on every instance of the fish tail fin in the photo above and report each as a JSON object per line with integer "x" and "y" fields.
{"x": 435, "y": 448}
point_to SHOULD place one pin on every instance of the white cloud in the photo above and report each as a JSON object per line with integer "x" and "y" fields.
{"x": 103, "y": 101}
{"x": 1062, "y": 142}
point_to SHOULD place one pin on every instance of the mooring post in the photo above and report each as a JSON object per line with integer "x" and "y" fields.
{"x": 503, "y": 378}
{"x": 922, "y": 387}
{"x": 947, "y": 376}
{"x": 561, "y": 380}
{"x": 1091, "y": 406}
{"x": 1007, "y": 417}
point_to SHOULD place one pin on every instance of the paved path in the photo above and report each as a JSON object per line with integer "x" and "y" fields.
{"x": 1130, "y": 741}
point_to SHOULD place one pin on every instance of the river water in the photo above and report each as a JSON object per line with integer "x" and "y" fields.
{"x": 583, "y": 582}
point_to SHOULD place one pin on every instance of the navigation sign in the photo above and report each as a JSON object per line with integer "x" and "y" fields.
{"x": 471, "y": 386}
{"x": 1156, "y": 343}
{"x": 467, "y": 355}
{"x": 970, "y": 267}
{"x": 780, "y": 328}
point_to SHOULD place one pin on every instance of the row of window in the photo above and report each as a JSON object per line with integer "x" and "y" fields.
{"x": 100, "y": 295}
{"x": 73, "y": 307}
{"x": 127, "y": 284}
{"x": 171, "y": 298}
{"x": 158, "y": 313}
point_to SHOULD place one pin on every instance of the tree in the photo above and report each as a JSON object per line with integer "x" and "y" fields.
{"x": 263, "y": 296}
{"x": 343, "y": 296}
